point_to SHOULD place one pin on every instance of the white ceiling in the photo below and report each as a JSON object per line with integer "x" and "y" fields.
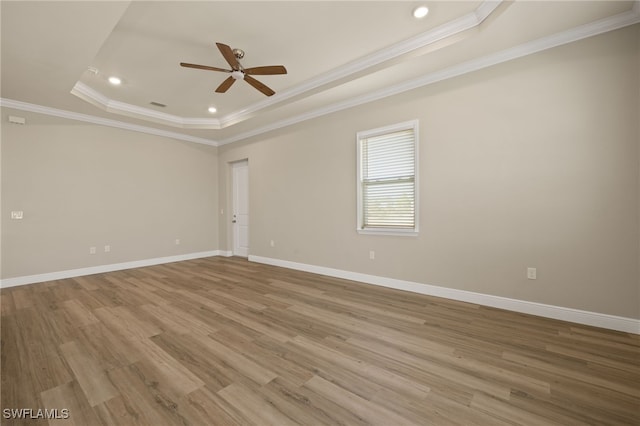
{"x": 337, "y": 53}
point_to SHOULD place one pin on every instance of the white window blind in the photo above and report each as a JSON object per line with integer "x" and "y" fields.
{"x": 387, "y": 184}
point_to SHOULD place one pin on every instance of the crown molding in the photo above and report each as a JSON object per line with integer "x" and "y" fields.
{"x": 24, "y": 106}
{"x": 434, "y": 35}
{"x": 97, "y": 99}
{"x": 444, "y": 31}
{"x": 594, "y": 28}
{"x": 601, "y": 26}
{"x": 486, "y": 8}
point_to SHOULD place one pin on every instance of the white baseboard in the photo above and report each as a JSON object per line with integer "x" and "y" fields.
{"x": 628, "y": 325}
{"x": 50, "y": 276}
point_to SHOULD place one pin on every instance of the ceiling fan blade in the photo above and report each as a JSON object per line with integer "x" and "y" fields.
{"x": 229, "y": 56}
{"x": 260, "y": 86}
{"x": 225, "y": 85}
{"x": 203, "y": 67}
{"x": 268, "y": 70}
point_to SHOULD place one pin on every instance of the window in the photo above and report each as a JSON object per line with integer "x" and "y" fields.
{"x": 387, "y": 184}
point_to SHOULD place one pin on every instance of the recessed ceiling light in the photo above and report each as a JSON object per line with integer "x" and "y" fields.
{"x": 212, "y": 109}
{"x": 420, "y": 12}
{"x": 115, "y": 81}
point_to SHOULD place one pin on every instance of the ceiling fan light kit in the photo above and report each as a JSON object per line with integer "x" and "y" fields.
{"x": 238, "y": 72}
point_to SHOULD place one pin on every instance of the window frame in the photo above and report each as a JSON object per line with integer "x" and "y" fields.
{"x": 406, "y": 125}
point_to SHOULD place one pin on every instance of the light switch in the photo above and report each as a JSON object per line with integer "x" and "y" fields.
{"x": 16, "y": 215}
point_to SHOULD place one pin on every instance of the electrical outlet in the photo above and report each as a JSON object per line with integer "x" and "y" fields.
{"x": 17, "y": 215}
{"x": 272, "y": 243}
{"x": 92, "y": 250}
{"x": 372, "y": 254}
{"x": 107, "y": 249}
{"x": 532, "y": 273}
{"x": 177, "y": 241}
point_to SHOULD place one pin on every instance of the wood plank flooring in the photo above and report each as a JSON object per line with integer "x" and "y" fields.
{"x": 222, "y": 341}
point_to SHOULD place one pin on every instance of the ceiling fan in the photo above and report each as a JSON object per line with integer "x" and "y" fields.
{"x": 238, "y": 72}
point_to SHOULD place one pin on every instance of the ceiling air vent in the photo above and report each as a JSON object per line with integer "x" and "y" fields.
{"x": 158, "y": 104}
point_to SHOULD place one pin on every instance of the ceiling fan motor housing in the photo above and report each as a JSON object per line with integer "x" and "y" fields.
{"x": 238, "y": 72}
{"x": 238, "y": 53}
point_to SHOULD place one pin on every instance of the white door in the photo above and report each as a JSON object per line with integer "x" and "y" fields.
{"x": 240, "y": 211}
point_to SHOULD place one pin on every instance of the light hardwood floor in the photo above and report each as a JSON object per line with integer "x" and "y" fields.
{"x": 225, "y": 341}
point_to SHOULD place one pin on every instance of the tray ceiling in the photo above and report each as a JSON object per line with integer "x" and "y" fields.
{"x": 57, "y": 56}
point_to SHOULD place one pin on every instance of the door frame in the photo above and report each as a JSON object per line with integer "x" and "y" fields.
{"x": 234, "y": 226}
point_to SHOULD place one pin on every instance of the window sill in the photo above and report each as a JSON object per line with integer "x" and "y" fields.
{"x": 394, "y": 232}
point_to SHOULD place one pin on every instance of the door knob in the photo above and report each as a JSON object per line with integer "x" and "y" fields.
{"x": 233, "y": 221}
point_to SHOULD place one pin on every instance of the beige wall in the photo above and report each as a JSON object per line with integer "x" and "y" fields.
{"x": 82, "y": 185}
{"x": 532, "y": 163}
